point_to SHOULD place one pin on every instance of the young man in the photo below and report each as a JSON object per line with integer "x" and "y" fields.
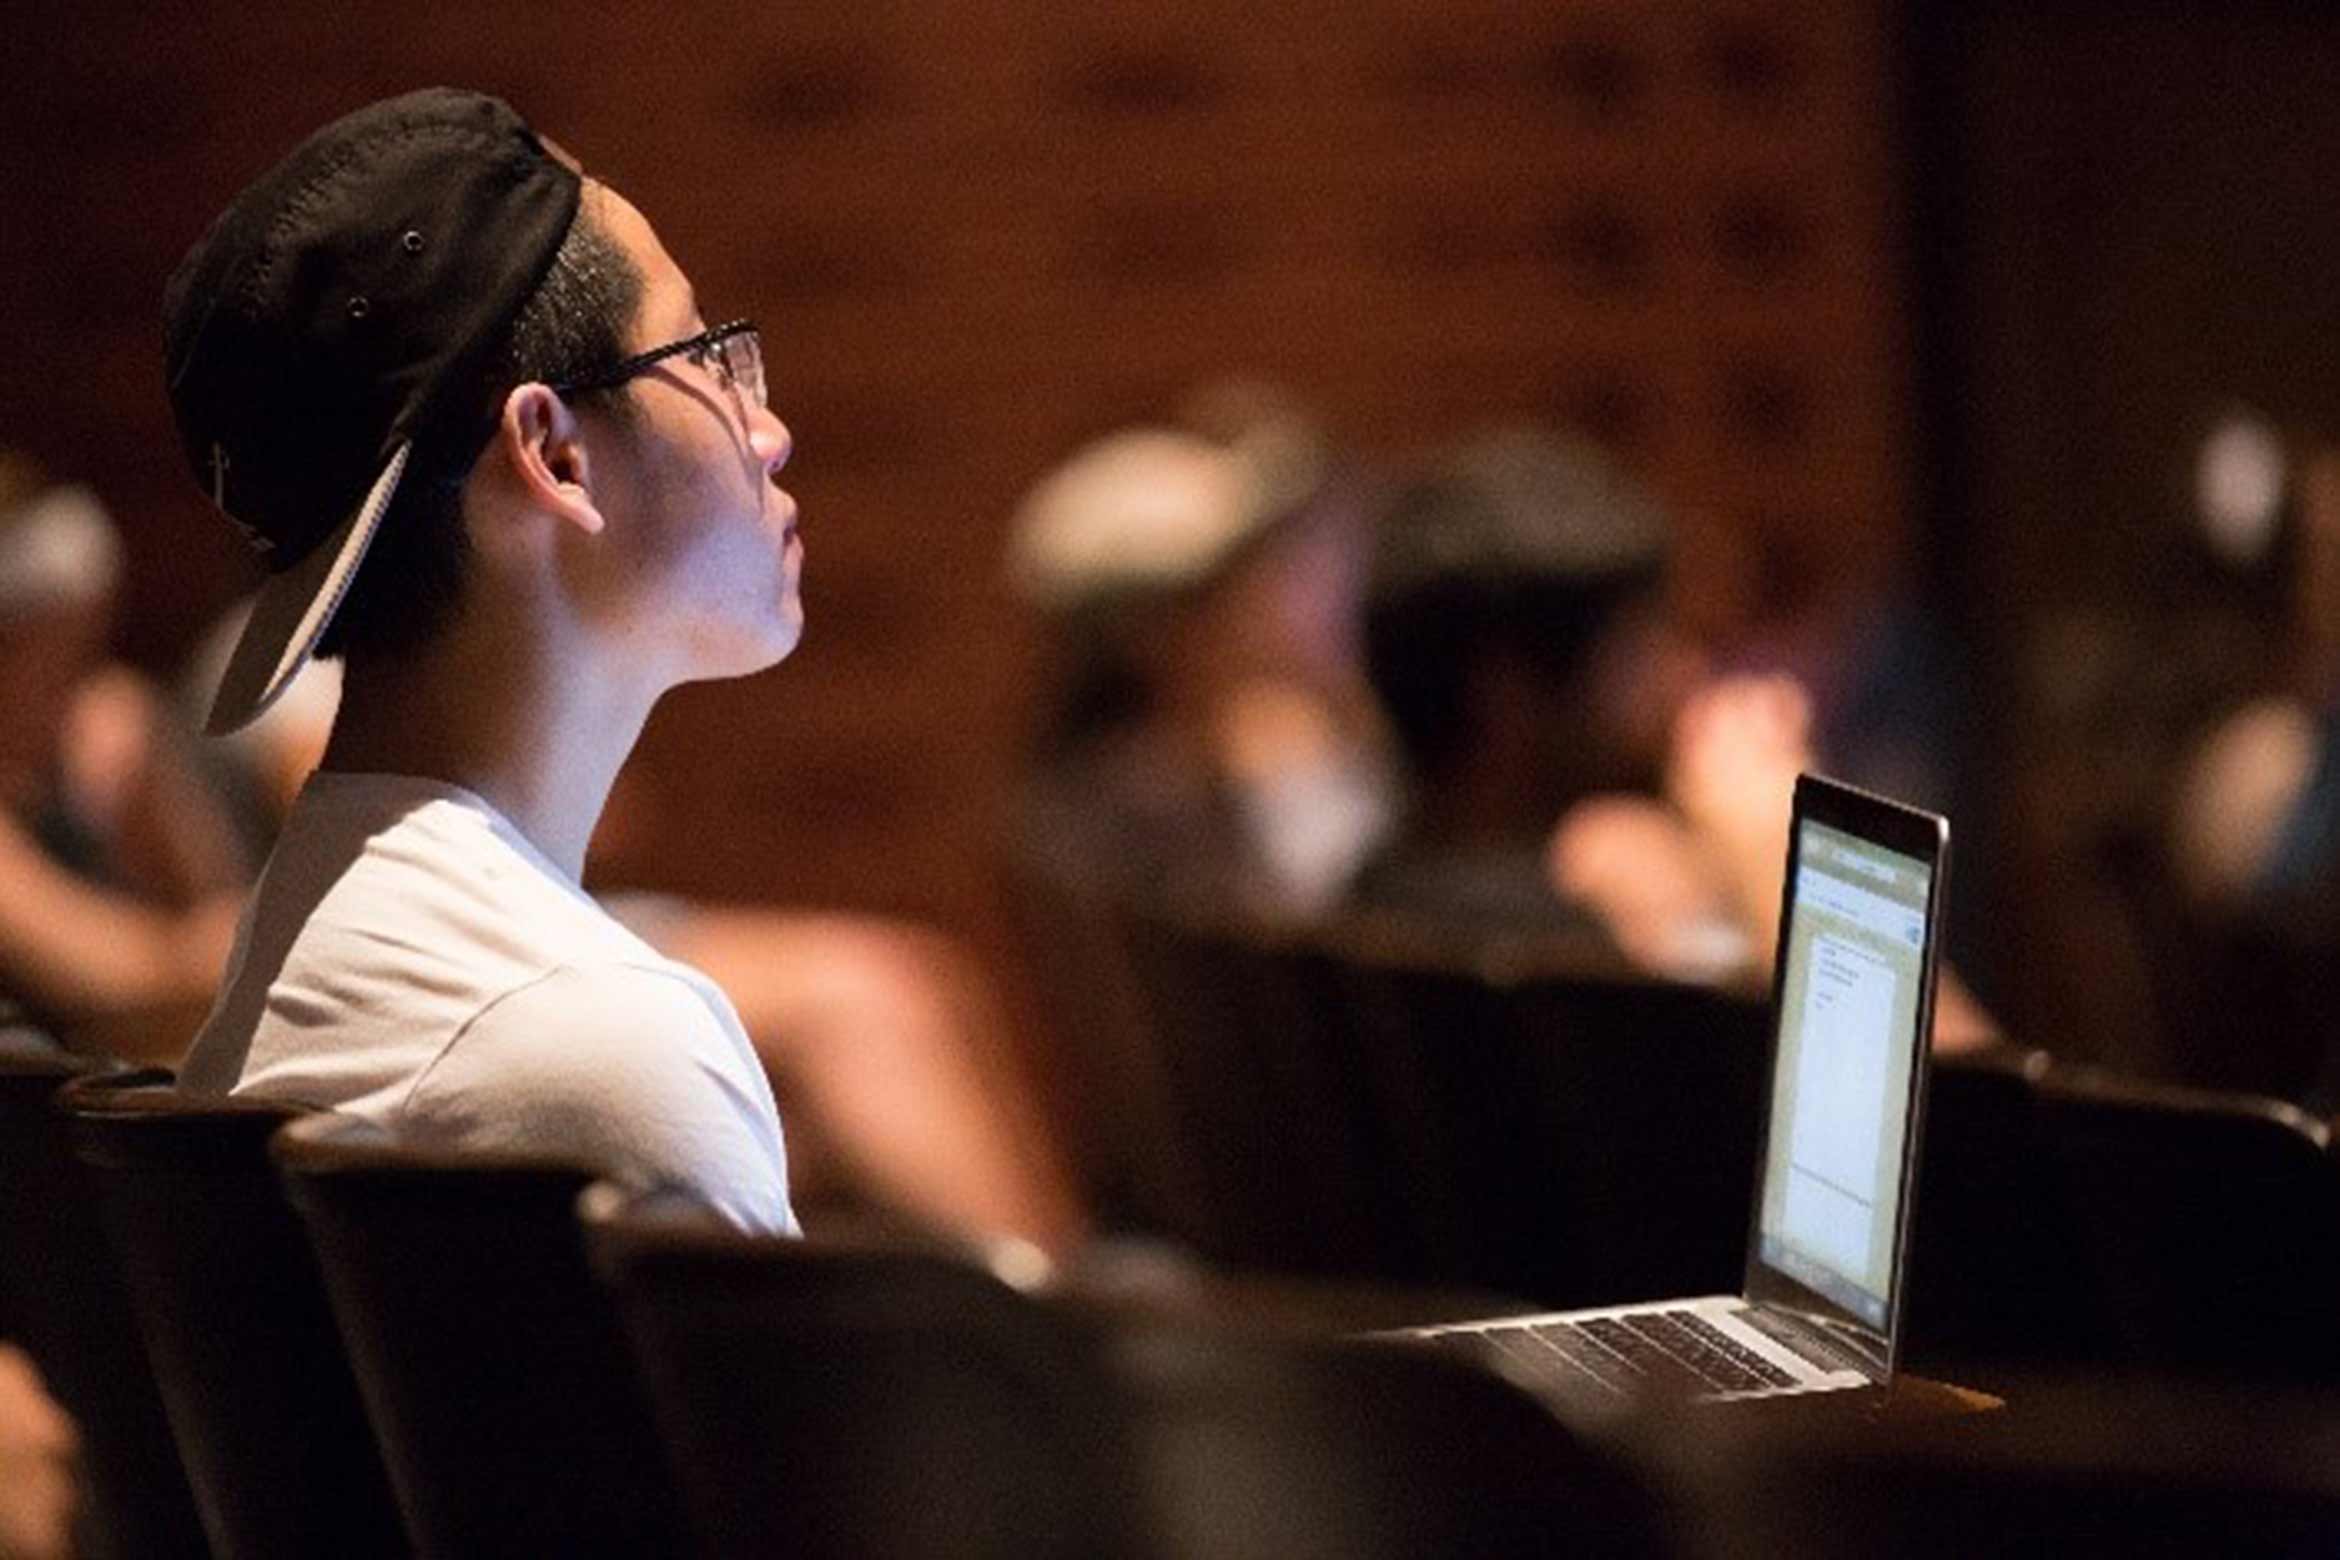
{"x": 465, "y": 404}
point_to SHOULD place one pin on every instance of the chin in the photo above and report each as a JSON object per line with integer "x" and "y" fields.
{"x": 779, "y": 639}
{"x": 743, "y": 654}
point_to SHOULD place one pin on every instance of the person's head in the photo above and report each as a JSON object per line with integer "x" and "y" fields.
{"x": 60, "y": 563}
{"x": 1515, "y": 588}
{"x": 412, "y": 363}
{"x": 1209, "y": 556}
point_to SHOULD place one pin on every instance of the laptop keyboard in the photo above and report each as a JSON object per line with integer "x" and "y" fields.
{"x": 1667, "y": 1352}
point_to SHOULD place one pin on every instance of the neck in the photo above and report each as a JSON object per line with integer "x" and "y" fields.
{"x": 536, "y": 728}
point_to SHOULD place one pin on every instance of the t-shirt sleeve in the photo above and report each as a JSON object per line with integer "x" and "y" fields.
{"x": 624, "y": 1069}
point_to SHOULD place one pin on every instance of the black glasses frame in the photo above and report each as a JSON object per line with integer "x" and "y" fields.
{"x": 642, "y": 362}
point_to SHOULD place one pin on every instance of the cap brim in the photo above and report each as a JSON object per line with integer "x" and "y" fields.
{"x": 290, "y": 611}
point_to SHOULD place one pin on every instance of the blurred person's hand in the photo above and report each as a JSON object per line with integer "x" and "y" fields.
{"x": 107, "y": 743}
{"x": 1632, "y": 863}
{"x": 1739, "y": 744}
{"x": 37, "y": 1447}
{"x": 1961, "y": 1023}
{"x": 2234, "y": 796}
{"x": 1738, "y": 747}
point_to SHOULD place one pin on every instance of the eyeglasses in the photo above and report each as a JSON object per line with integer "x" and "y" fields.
{"x": 733, "y": 353}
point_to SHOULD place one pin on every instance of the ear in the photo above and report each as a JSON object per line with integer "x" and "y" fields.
{"x": 543, "y": 444}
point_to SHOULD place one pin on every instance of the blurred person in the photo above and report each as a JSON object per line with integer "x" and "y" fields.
{"x": 117, "y": 904}
{"x": 2248, "y": 814}
{"x": 467, "y": 407}
{"x": 2254, "y": 838}
{"x": 1517, "y": 638}
{"x": 1210, "y": 735}
{"x": 118, "y": 877}
{"x": 1204, "y": 742}
{"x": 1577, "y": 762}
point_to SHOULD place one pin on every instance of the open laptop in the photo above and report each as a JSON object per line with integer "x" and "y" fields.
{"x": 1852, "y": 1008}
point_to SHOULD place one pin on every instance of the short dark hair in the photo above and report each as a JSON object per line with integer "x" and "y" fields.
{"x": 1519, "y": 543}
{"x": 574, "y": 324}
{"x": 1423, "y": 648}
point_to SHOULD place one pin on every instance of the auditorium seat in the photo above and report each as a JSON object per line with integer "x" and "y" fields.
{"x": 61, "y": 1296}
{"x": 2123, "y": 1465}
{"x": 1100, "y": 1067}
{"x": 1241, "y": 1441}
{"x": 1556, "y": 1126}
{"x": 490, "y": 1362}
{"x": 2212, "y": 1218}
{"x": 832, "y": 1398}
{"x": 1253, "y": 1042}
{"x": 1999, "y": 1278}
{"x": 885, "y": 1400}
{"x": 228, "y": 1296}
{"x": 1369, "y": 1099}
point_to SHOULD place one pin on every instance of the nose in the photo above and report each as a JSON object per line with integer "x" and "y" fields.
{"x": 770, "y": 439}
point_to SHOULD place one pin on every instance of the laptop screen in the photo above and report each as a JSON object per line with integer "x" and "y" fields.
{"x": 1853, "y": 981}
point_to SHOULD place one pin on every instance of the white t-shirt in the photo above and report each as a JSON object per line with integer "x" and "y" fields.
{"x": 410, "y": 958}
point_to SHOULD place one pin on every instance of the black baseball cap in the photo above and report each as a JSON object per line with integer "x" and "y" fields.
{"x": 323, "y": 324}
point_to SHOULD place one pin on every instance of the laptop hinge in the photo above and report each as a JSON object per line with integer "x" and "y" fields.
{"x": 1832, "y": 1341}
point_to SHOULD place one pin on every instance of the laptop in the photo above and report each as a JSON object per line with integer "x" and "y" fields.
{"x": 1852, "y": 1008}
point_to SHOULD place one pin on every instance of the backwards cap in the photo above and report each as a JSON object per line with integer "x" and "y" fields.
{"x": 317, "y": 331}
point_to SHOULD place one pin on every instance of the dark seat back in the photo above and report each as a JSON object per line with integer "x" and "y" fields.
{"x": 2213, "y": 1218}
{"x": 62, "y": 1297}
{"x": 491, "y": 1363}
{"x": 2072, "y": 1465}
{"x": 1372, "y": 1099}
{"x": 822, "y": 1399}
{"x": 1999, "y": 1277}
{"x": 1102, "y": 1069}
{"x": 1563, "y": 1129}
{"x": 228, "y": 1296}
{"x": 895, "y": 1402}
{"x": 1249, "y": 1443}
{"x": 1275, "y": 1126}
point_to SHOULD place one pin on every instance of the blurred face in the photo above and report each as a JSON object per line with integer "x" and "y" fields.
{"x": 702, "y": 539}
{"x": 1290, "y": 613}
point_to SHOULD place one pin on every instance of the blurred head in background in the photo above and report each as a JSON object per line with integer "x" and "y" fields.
{"x": 1517, "y": 636}
{"x": 60, "y": 564}
{"x": 1183, "y": 560}
{"x": 1201, "y": 585}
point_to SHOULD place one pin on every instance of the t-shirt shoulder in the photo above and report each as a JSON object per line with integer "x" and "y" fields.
{"x": 411, "y": 957}
{"x": 619, "y": 1063}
